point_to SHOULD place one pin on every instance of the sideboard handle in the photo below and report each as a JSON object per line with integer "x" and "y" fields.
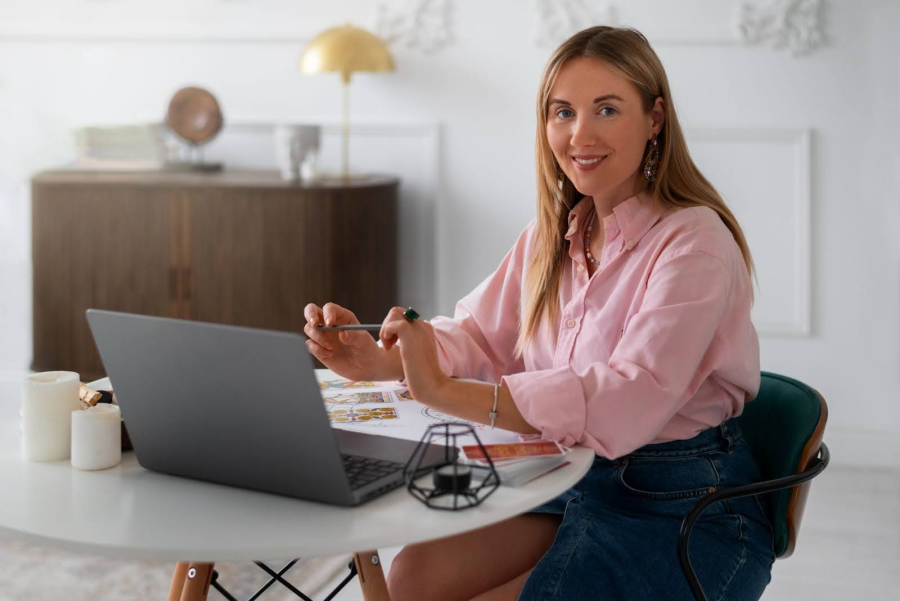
{"x": 186, "y": 282}
{"x": 173, "y": 283}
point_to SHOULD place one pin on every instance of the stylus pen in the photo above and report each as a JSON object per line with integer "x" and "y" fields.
{"x": 357, "y": 326}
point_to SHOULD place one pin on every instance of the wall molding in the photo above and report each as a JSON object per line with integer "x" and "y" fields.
{"x": 427, "y": 26}
{"x": 795, "y": 25}
{"x": 423, "y": 25}
{"x": 798, "y": 322}
{"x": 33, "y": 35}
{"x": 266, "y": 124}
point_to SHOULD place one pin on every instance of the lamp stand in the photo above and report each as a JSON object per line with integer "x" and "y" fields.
{"x": 345, "y": 129}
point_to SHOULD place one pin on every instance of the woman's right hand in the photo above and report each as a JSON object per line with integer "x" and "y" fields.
{"x": 353, "y": 354}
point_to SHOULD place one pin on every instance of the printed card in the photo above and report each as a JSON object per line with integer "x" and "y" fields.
{"x": 344, "y": 385}
{"x": 514, "y": 451}
{"x": 361, "y": 414}
{"x": 355, "y": 398}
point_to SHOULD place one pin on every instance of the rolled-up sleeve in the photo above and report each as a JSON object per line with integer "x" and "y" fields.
{"x": 657, "y": 366}
{"x": 479, "y": 341}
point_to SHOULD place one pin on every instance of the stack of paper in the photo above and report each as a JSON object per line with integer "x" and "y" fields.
{"x": 124, "y": 147}
{"x": 521, "y": 462}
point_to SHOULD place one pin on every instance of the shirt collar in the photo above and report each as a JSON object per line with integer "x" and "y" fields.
{"x": 634, "y": 217}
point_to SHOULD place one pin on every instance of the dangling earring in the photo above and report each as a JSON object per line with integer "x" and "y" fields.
{"x": 652, "y": 166}
{"x": 559, "y": 178}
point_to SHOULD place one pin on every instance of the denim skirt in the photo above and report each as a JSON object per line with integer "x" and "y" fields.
{"x": 619, "y": 533}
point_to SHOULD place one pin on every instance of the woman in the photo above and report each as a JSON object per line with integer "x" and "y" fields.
{"x": 619, "y": 320}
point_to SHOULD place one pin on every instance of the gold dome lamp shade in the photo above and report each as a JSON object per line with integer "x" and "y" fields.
{"x": 346, "y": 49}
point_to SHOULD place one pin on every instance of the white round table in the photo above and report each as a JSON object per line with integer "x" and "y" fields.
{"x": 130, "y": 512}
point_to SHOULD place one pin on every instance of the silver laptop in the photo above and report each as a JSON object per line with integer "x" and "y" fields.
{"x": 242, "y": 407}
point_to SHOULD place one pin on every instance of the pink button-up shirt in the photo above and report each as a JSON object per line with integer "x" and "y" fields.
{"x": 656, "y": 346}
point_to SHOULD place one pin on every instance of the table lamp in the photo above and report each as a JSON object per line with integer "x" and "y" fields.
{"x": 345, "y": 50}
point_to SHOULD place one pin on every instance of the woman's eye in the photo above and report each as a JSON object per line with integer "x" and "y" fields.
{"x": 611, "y": 111}
{"x": 560, "y": 114}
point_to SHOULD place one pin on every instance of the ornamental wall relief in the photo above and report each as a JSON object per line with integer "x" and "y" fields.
{"x": 427, "y": 26}
{"x": 796, "y": 25}
{"x": 423, "y": 25}
{"x": 793, "y": 25}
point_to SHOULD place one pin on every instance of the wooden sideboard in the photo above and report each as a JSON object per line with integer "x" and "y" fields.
{"x": 242, "y": 248}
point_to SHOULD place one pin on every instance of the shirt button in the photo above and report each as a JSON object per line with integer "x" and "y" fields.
{"x": 571, "y": 323}
{"x": 630, "y": 244}
{"x": 581, "y": 268}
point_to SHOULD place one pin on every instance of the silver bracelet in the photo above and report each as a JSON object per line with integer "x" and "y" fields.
{"x": 493, "y": 412}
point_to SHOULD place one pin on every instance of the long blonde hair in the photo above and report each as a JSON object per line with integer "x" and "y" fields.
{"x": 678, "y": 182}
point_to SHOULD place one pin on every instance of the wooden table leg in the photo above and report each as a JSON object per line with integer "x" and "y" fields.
{"x": 371, "y": 576}
{"x": 190, "y": 581}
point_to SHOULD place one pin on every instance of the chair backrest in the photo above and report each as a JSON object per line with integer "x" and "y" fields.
{"x": 783, "y": 427}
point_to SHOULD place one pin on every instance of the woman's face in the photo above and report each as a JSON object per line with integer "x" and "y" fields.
{"x": 598, "y": 130}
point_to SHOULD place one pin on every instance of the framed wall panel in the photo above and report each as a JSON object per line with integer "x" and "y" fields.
{"x": 764, "y": 176}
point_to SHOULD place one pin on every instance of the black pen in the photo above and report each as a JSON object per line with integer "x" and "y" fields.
{"x": 357, "y": 326}
{"x": 410, "y": 314}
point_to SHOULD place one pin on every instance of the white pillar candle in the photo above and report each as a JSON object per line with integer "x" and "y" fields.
{"x": 48, "y": 400}
{"x": 97, "y": 437}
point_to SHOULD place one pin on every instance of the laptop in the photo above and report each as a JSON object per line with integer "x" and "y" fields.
{"x": 242, "y": 407}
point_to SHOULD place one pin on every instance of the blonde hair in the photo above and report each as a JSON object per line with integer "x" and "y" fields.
{"x": 678, "y": 182}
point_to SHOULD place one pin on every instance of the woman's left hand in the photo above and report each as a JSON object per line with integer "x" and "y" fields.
{"x": 418, "y": 350}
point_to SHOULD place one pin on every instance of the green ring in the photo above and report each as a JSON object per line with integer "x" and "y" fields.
{"x": 411, "y": 314}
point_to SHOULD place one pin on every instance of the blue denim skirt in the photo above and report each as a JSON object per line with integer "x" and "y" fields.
{"x": 619, "y": 533}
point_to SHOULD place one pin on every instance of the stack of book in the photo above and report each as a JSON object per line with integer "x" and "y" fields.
{"x": 519, "y": 463}
{"x": 120, "y": 148}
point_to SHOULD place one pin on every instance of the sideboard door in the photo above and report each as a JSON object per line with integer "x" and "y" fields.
{"x": 100, "y": 246}
{"x": 258, "y": 257}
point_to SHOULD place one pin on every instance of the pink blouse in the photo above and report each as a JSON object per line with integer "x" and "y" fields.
{"x": 656, "y": 346}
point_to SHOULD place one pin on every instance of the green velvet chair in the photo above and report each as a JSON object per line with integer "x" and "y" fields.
{"x": 783, "y": 426}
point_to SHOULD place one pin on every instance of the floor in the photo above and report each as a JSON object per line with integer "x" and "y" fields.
{"x": 849, "y": 548}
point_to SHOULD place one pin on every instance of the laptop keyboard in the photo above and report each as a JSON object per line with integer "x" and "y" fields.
{"x": 362, "y": 470}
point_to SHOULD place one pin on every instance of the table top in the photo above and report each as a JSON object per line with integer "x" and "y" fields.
{"x": 130, "y": 512}
{"x": 228, "y": 178}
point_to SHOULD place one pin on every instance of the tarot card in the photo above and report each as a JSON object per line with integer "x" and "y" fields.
{"x": 344, "y": 385}
{"x": 355, "y": 398}
{"x": 514, "y": 451}
{"x": 361, "y": 414}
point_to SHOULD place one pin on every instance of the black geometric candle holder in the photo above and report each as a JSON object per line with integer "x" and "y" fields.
{"x": 454, "y": 486}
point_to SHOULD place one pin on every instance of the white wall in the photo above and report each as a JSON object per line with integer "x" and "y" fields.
{"x": 802, "y": 145}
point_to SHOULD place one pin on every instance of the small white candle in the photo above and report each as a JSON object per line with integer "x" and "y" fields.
{"x": 48, "y": 400}
{"x": 97, "y": 437}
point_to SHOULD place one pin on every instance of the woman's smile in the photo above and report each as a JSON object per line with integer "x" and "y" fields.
{"x": 587, "y": 162}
